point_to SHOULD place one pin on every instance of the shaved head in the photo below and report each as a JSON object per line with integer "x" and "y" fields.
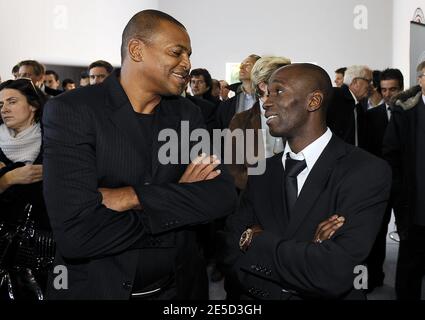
{"x": 313, "y": 78}
{"x": 142, "y": 26}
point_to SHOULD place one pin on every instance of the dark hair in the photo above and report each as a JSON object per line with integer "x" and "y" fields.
{"x": 254, "y": 56}
{"x": 376, "y": 79}
{"x": 207, "y": 78}
{"x": 67, "y": 81}
{"x": 341, "y": 70}
{"x": 37, "y": 66}
{"x": 15, "y": 69}
{"x": 54, "y": 73}
{"x": 84, "y": 75}
{"x": 143, "y": 26}
{"x": 34, "y": 95}
{"x": 102, "y": 64}
{"x": 393, "y": 74}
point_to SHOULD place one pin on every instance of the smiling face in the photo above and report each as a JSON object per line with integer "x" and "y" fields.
{"x": 166, "y": 62}
{"x": 16, "y": 112}
{"x": 286, "y": 106}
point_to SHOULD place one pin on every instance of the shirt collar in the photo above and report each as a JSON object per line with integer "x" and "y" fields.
{"x": 262, "y": 111}
{"x": 310, "y": 153}
{"x": 354, "y": 97}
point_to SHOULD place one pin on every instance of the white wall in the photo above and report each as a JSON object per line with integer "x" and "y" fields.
{"x": 70, "y": 32}
{"x": 76, "y": 32}
{"x": 403, "y": 14}
{"x": 303, "y": 30}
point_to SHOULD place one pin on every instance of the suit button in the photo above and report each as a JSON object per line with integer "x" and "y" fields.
{"x": 127, "y": 285}
{"x": 253, "y": 267}
{"x": 147, "y": 183}
{"x": 268, "y": 273}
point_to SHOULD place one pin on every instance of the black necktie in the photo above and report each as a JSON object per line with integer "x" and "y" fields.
{"x": 292, "y": 169}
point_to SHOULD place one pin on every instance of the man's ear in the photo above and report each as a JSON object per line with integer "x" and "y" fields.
{"x": 135, "y": 50}
{"x": 315, "y": 101}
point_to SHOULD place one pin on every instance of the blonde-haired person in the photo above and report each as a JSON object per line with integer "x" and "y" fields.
{"x": 254, "y": 118}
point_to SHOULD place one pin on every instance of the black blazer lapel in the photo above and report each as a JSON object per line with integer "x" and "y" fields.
{"x": 315, "y": 183}
{"x": 122, "y": 114}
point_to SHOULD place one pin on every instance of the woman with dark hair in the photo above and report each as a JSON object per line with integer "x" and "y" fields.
{"x": 24, "y": 223}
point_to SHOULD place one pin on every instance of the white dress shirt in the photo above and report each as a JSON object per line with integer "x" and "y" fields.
{"x": 310, "y": 154}
{"x": 387, "y": 107}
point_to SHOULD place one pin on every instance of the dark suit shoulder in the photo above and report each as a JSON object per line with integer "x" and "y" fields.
{"x": 180, "y": 105}
{"x": 378, "y": 109}
{"x": 357, "y": 160}
{"x": 83, "y": 95}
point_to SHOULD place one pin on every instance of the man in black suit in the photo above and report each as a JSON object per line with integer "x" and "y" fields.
{"x": 377, "y": 118}
{"x": 345, "y": 116}
{"x": 121, "y": 214}
{"x": 277, "y": 247}
{"x": 403, "y": 147}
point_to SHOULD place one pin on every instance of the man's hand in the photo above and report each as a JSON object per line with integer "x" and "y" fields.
{"x": 2, "y": 165}
{"x": 120, "y": 199}
{"x": 202, "y": 168}
{"x": 27, "y": 174}
{"x": 327, "y": 228}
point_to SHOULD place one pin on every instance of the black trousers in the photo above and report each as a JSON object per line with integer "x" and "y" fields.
{"x": 376, "y": 258}
{"x": 411, "y": 265}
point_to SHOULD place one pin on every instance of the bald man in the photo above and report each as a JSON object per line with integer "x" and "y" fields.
{"x": 303, "y": 227}
{"x": 124, "y": 218}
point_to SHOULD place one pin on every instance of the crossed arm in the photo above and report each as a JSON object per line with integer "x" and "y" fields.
{"x": 125, "y": 198}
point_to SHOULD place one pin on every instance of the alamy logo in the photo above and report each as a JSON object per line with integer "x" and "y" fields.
{"x": 60, "y": 282}
{"x": 238, "y": 148}
{"x": 360, "y": 21}
{"x": 60, "y": 21}
{"x": 361, "y": 280}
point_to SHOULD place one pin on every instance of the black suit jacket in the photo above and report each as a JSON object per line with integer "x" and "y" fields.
{"x": 208, "y": 110}
{"x": 92, "y": 139}
{"x": 376, "y": 124}
{"x": 225, "y": 111}
{"x": 399, "y": 149}
{"x": 283, "y": 262}
{"x": 340, "y": 116}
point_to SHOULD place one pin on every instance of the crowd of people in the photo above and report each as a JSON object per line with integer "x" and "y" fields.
{"x": 81, "y": 185}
